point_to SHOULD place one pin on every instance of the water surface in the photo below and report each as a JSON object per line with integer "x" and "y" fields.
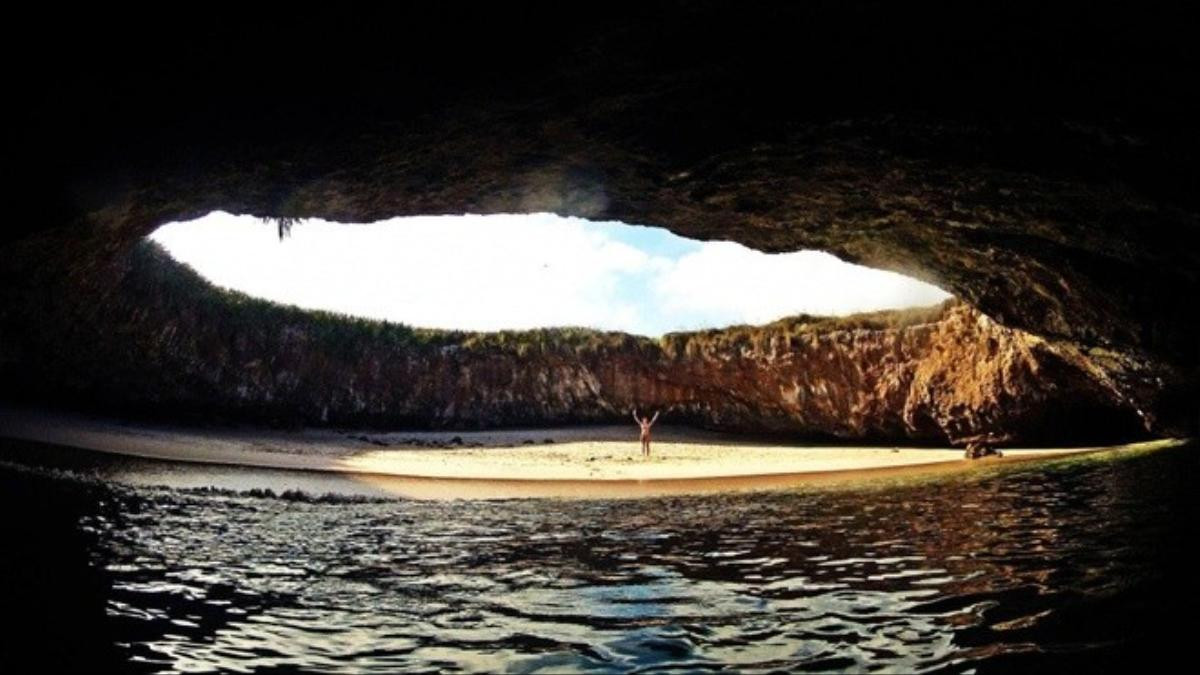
{"x": 1074, "y": 564}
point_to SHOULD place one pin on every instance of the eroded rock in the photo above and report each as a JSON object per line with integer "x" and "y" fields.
{"x": 168, "y": 342}
{"x": 1042, "y": 170}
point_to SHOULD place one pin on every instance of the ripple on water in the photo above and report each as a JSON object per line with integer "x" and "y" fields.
{"x": 1051, "y": 565}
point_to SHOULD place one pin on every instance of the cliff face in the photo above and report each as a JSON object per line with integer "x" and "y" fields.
{"x": 166, "y": 342}
{"x": 1039, "y": 162}
{"x": 953, "y": 374}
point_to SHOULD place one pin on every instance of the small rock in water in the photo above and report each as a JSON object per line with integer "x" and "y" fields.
{"x": 548, "y": 440}
{"x": 457, "y": 440}
{"x": 527, "y": 441}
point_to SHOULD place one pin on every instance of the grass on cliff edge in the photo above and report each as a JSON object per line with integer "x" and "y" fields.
{"x": 155, "y": 274}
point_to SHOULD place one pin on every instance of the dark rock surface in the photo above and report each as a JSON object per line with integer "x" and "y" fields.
{"x": 1039, "y": 162}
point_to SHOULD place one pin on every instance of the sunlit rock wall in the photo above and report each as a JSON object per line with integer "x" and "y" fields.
{"x": 165, "y": 343}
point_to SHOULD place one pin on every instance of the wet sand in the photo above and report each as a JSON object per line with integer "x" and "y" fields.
{"x": 574, "y": 462}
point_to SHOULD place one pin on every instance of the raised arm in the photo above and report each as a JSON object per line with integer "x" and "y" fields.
{"x": 635, "y": 417}
{"x": 655, "y": 418}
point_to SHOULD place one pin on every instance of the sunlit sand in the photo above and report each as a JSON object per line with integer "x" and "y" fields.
{"x": 583, "y": 461}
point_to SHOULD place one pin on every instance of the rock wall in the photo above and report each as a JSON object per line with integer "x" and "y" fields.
{"x": 1038, "y": 161}
{"x": 166, "y": 343}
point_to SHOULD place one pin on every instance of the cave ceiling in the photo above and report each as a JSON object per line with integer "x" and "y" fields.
{"x": 1040, "y": 163}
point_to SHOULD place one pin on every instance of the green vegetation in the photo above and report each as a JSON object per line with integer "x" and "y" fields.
{"x": 157, "y": 278}
{"x": 801, "y": 326}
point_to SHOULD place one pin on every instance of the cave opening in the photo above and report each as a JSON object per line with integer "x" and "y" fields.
{"x": 528, "y": 271}
{"x": 198, "y": 477}
{"x": 557, "y": 335}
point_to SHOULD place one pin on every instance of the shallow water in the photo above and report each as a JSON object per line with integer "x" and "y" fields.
{"x": 1072, "y": 564}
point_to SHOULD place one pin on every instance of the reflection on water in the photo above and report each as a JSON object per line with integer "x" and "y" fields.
{"x": 1077, "y": 564}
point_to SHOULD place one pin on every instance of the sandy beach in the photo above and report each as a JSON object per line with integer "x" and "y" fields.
{"x": 576, "y": 455}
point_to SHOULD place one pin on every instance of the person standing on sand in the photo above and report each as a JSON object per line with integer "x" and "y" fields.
{"x": 645, "y": 423}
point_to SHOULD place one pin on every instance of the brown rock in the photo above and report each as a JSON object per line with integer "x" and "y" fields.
{"x": 169, "y": 342}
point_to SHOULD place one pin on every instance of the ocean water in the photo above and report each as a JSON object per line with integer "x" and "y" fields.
{"x": 129, "y": 566}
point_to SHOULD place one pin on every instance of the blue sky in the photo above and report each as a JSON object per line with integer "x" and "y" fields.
{"x": 496, "y": 272}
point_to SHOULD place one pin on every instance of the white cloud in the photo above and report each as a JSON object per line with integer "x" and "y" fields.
{"x": 728, "y": 279}
{"x": 522, "y": 271}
